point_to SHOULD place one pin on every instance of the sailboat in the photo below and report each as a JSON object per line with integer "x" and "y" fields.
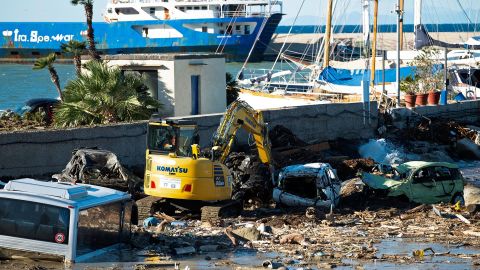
{"x": 349, "y": 78}
{"x": 331, "y": 77}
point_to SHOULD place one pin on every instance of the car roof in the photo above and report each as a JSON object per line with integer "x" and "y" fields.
{"x": 61, "y": 194}
{"x": 35, "y": 101}
{"x": 155, "y": 119}
{"x": 415, "y": 165}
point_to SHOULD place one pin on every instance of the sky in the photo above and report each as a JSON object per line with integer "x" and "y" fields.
{"x": 312, "y": 12}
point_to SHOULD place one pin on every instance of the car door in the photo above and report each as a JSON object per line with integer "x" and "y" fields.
{"x": 423, "y": 186}
{"x": 446, "y": 183}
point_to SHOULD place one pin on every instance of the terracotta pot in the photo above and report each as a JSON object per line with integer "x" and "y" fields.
{"x": 410, "y": 100}
{"x": 421, "y": 99}
{"x": 433, "y": 97}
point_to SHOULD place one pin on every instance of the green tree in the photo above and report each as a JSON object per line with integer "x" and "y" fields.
{"x": 88, "y": 6}
{"x": 103, "y": 95}
{"x": 76, "y": 48}
{"x": 47, "y": 62}
{"x": 231, "y": 88}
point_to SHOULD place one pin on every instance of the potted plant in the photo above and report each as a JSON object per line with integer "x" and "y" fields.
{"x": 427, "y": 74}
{"x": 434, "y": 94}
{"x": 409, "y": 85}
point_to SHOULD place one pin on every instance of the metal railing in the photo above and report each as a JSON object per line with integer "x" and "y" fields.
{"x": 294, "y": 77}
{"x": 222, "y": 2}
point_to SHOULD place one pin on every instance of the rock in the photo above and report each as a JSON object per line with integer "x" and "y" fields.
{"x": 208, "y": 248}
{"x": 271, "y": 265}
{"x": 250, "y": 234}
{"x": 294, "y": 238}
{"x": 437, "y": 156}
{"x": 471, "y": 194}
{"x": 185, "y": 250}
{"x": 141, "y": 239}
{"x": 467, "y": 149}
{"x": 208, "y": 258}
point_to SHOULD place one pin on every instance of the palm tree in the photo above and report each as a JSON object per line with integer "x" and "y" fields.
{"x": 232, "y": 88}
{"x": 104, "y": 95}
{"x": 88, "y": 5}
{"x": 77, "y": 48}
{"x": 47, "y": 62}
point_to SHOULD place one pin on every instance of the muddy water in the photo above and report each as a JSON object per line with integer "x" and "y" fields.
{"x": 131, "y": 259}
{"x": 447, "y": 257}
{"x": 457, "y": 257}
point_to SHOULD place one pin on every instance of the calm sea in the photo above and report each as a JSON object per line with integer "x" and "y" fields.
{"x": 19, "y": 83}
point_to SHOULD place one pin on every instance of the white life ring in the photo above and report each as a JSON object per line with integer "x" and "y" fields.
{"x": 114, "y": 1}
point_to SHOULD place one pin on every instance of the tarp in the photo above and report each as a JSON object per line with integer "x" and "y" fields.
{"x": 423, "y": 39}
{"x": 354, "y": 77}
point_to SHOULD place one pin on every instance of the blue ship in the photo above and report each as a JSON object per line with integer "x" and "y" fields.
{"x": 238, "y": 29}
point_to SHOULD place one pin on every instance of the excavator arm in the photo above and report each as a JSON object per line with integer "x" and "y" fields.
{"x": 240, "y": 114}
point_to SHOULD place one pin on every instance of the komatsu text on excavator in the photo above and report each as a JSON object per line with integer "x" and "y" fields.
{"x": 177, "y": 173}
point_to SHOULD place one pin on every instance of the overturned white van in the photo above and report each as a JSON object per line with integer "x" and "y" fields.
{"x": 61, "y": 220}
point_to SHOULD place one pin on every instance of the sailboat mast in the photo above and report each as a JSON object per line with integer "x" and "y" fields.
{"x": 374, "y": 42}
{"x": 328, "y": 33}
{"x": 401, "y": 4}
{"x": 399, "y": 19}
{"x": 366, "y": 25}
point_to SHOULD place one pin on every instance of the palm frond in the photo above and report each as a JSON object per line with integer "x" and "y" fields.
{"x": 44, "y": 62}
{"x": 103, "y": 94}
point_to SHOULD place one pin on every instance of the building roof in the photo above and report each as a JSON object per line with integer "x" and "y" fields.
{"x": 61, "y": 194}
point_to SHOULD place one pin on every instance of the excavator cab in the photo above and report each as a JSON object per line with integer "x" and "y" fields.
{"x": 174, "y": 168}
{"x": 174, "y": 137}
{"x": 175, "y": 172}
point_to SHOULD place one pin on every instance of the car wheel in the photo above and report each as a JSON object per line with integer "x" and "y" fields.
{"x": 458, "y": 198}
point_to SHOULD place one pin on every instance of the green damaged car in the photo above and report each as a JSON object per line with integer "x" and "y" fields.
{"x": 421, "y": 182}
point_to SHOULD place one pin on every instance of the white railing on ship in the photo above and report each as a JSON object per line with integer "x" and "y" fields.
{"x": 190, "y": 1}
{"x": 296, "y": 77}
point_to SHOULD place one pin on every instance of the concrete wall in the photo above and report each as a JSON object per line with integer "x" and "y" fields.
{"x": 465, "y": 111}
{"x": 212, "y": 85}
{"x": 174, "y": 79}
{"x": 47, "y": 152}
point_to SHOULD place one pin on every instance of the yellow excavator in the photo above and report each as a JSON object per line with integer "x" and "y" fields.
{"x": 177, "y": 174}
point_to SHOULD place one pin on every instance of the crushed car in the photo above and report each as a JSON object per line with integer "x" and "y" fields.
{"x": 312, "y": 184}
{"x": 420, "y": 181}
{"x": 62, "y": 221}
{"x": 99, "y": 167}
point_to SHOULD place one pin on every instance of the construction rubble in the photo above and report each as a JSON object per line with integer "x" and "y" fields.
{"x": 352, "y": 225}
{"x": 365, "y": 227}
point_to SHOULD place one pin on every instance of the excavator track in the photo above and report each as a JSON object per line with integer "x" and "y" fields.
{"x": 146, "y": 207}
{"x": 214, "y": 213}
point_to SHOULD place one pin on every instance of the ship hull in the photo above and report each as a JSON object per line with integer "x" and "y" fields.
{"x": 31, "y": 40}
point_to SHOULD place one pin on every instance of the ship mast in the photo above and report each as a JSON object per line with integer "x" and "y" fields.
{"x": 328, "y": 32}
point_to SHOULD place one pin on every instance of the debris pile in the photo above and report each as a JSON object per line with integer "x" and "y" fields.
{"x": 304, "y": 240}
{"x": 98, "y": 167}
{"x": 251, "y": 178}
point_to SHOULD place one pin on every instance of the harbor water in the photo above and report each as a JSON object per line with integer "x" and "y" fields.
{"x": 19, "y": 83}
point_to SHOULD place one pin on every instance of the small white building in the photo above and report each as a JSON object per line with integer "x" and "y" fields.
{"x": 186, "y": 84}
